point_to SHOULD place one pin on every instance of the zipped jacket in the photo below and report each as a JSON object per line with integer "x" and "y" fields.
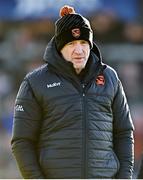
{"x": 68, "y": 126}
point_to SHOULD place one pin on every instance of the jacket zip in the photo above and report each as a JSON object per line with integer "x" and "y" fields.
{"x": 85, "y": 135}
{"x": 85, "y": 127}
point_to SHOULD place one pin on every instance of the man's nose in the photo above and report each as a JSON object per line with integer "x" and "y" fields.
{"x": 78, "y": 48}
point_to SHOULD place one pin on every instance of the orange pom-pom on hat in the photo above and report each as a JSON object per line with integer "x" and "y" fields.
{"x": 72, "y": 26}
{"x": 66, "y": 10}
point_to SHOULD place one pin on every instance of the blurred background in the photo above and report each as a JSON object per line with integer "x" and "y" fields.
{"x": 26, "y": 26}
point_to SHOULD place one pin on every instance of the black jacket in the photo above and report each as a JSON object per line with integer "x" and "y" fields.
{"x": 70, "y": 126}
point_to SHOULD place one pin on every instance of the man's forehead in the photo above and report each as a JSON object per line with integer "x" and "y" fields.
{"x": 78, "y": 41}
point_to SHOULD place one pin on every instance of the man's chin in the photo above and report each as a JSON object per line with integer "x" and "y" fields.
{"x": 78, "y": 69}
{"x": 78, "y": 66}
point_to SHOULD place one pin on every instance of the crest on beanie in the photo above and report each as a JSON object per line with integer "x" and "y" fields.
{"x": 76, "y": 32}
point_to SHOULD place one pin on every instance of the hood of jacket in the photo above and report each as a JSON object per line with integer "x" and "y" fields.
{"x": 60, "y": 65}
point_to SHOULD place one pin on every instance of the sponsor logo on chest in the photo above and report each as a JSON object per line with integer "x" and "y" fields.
{"x": 54, "y": 84}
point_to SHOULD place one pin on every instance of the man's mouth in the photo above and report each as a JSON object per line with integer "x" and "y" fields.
{"x": 79, "y": 58}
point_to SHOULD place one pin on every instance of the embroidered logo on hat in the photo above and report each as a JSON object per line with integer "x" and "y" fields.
{"x": 76, "y": 32}
{"x": 100, "y": 80}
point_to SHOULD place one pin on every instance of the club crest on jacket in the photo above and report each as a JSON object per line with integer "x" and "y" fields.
{"x": 100, "y": 80}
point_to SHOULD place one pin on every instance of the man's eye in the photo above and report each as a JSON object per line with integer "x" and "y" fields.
{"x": 70, "y": 43}
{"x": 84, "y": 42}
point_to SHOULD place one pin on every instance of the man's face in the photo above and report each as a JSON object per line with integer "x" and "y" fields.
{"x": 76, "y": 52}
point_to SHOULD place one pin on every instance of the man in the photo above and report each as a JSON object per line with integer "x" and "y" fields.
{"x": 71, "y": 116}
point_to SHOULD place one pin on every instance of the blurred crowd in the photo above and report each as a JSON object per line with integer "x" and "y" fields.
{"x": 22, "y": 45}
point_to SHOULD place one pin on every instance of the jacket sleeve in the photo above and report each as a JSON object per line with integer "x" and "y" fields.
{"x": 123, "y": 134}
{"x": 26, "y": 126}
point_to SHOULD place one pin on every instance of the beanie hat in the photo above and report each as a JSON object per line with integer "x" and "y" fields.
{"x": 72, "y": 26}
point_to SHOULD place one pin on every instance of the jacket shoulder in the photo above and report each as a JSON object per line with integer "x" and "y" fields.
{"x": 110, "y": 71}
{"x": 31, "y": 80}
{"x": 112, "y": 77}
{"x": 37, "y": 73}
{"x": 111, "y": 74}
